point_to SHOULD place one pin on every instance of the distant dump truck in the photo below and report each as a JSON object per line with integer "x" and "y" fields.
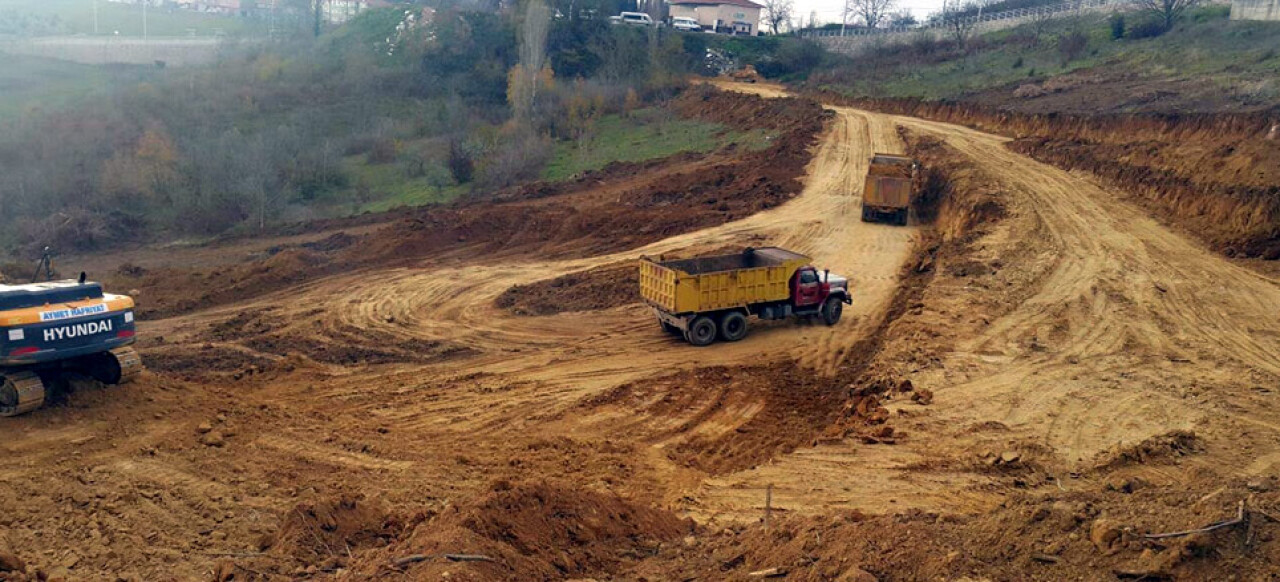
{"x": 711, "y": 297}
{"x": 889, "y": 188}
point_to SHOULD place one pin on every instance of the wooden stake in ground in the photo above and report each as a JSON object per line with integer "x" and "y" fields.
{"x": 768, "y": 504}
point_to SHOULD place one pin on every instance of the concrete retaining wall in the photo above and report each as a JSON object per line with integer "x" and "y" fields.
{"x": 1255, "y": 10}
{"x": 173, "y": 52}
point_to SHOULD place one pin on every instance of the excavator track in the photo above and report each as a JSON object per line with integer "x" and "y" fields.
{"x": 21, "y": 393}
{"x": 130, "y": 363}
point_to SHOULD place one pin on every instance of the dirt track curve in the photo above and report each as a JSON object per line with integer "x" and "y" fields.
{"x": 1111, "y": 329}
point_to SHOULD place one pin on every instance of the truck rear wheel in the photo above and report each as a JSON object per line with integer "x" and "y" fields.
{"x": 702, "y": 331}
{"x": 733, "y": 326}
{"x": 832, "y": 310}
{"x": 866, "y": 214}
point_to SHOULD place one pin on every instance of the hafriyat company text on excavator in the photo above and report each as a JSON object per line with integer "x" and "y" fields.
{"x": 711, "y": 297}
{"x": 52, "y": 328}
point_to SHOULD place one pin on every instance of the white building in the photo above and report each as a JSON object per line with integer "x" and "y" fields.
{"x": 722, "y": 16}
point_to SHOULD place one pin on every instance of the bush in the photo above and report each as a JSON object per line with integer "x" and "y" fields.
{"x": 384, "y": 151}
{"x": 794, "y": 57}
{"x": 1117, "y": 26}
{"x": 461, "y": 165}
{"x": 1071, "y": 46}
{"x": 1017, "y": 63}
{"x": 1149, "y": 28}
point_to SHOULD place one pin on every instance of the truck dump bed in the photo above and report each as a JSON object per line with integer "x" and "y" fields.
{"x": 888, "y": 182}
{"x": 719, "y": 282}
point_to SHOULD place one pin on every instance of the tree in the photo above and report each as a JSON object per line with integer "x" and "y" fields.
{"x": 778, "y": 13}
{"x": 960, "y": 27}
{"x": 528, "y": 74}
{"x": 1166, "y": 11}
{"x": 902, "y": 19}
{"x": 872, "y": 12}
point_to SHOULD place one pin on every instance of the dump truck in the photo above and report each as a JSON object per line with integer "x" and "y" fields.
{"x": 52, "y": 328}
{"x": 706, "y": 298}
{"x": 889, "y": 189}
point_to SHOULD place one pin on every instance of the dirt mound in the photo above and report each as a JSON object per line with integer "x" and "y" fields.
{"x": 599, "y": 288}
{"x": 206, "y": 363}
{"x": 351, "y": 346}
{"x": 325, "y": 533}
{"x": 1048, "y": 536}
{"x": 533, "y": 531}
{"x": 1170, "y": 445}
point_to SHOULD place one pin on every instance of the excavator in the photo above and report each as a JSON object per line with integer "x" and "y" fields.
{"x": 51, "y": 328}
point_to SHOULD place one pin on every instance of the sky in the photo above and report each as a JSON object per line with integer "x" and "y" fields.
{"x": 829, "y": 10}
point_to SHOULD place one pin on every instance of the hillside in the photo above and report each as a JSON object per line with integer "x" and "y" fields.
{"x": 1206, "y": 63}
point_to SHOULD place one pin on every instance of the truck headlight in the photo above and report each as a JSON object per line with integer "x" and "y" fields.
{"x": 128, "y": 317}
{"x": 16, "y": 335}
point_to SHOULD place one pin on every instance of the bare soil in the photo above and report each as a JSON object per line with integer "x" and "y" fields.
{"x": 1031, "y": 380}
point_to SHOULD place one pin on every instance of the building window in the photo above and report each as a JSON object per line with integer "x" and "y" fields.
{"x": 739, "y": 15}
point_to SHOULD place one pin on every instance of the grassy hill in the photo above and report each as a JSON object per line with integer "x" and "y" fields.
{"x": 1205, "y": 63}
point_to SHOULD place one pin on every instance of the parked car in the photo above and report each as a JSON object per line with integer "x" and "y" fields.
{"x": 632, "y": 18}
{"x": 686, "y": 24}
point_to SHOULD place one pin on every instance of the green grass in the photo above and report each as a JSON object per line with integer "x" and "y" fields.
{"x": 1204, "y": 46}
{"x": 44, "y": 17}
{"x": 380, "y": 187}
{"x": 646, "y": 135}
{"x": 31, "y": 83}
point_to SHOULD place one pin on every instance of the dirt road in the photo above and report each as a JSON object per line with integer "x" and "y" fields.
{"x": 409, "y": 388}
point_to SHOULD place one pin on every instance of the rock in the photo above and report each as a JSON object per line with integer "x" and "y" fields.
{"x": 924, "y": 396}
{"x": 905, "y": 386}
{"x": 1105, "y": 535}
{"x": 690, "y": 542}
{"x": 213, "y": 439}
{"x": 1261, "y": 485}
{"x": 204, "y": 428}
{"x": 10, "y": 562}
{"x": 1126, "y": 485}
{"x": 1009, "y": 457}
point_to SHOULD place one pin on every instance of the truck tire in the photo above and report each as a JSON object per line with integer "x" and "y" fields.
{"x": 702, "y": 331}
{"x": 866, "y": 214}
{"x": 831, "y": 310}
{"x": 903, "y": 216}
{"x": 733, "y": 326}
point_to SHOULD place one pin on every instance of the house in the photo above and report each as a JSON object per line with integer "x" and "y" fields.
{"x": 722, "y": 16}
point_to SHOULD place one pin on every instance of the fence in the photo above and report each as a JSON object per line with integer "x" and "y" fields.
{"x": 1018, "y": 14}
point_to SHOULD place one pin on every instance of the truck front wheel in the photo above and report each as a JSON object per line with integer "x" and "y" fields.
{"x": 733, "y": 326}
{"x": 831, "y": 310}
{"x": 701, "y": 332}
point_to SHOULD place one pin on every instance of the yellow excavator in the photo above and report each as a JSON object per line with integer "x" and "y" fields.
{"x": 54, "y": 327}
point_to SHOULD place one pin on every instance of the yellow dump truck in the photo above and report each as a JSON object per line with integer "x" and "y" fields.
{"x": 704, "y": 298}
{"x": 889, "y": 188}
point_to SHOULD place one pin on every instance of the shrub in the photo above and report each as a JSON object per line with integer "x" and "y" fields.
{"x": 1149, "y": 28}
{"x": 384, "y": 151}
{"x": 461, "y": 165}
{"x": 1117, "y": 26}
{"x": 1071, "y": 45}
{"x": 1017, "y": 63}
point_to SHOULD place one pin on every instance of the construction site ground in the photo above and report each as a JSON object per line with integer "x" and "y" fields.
{"x": 1021, "y": 390}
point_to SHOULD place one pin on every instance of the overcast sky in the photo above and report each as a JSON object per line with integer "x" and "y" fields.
{"x": 829, "y": 10}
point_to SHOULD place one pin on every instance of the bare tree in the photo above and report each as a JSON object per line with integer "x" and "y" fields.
{"x": 778, "y": 13}
{"x": 1167, "y": 11}
{"x": 873, "y": 12}
{"x": 959, "y": 27}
